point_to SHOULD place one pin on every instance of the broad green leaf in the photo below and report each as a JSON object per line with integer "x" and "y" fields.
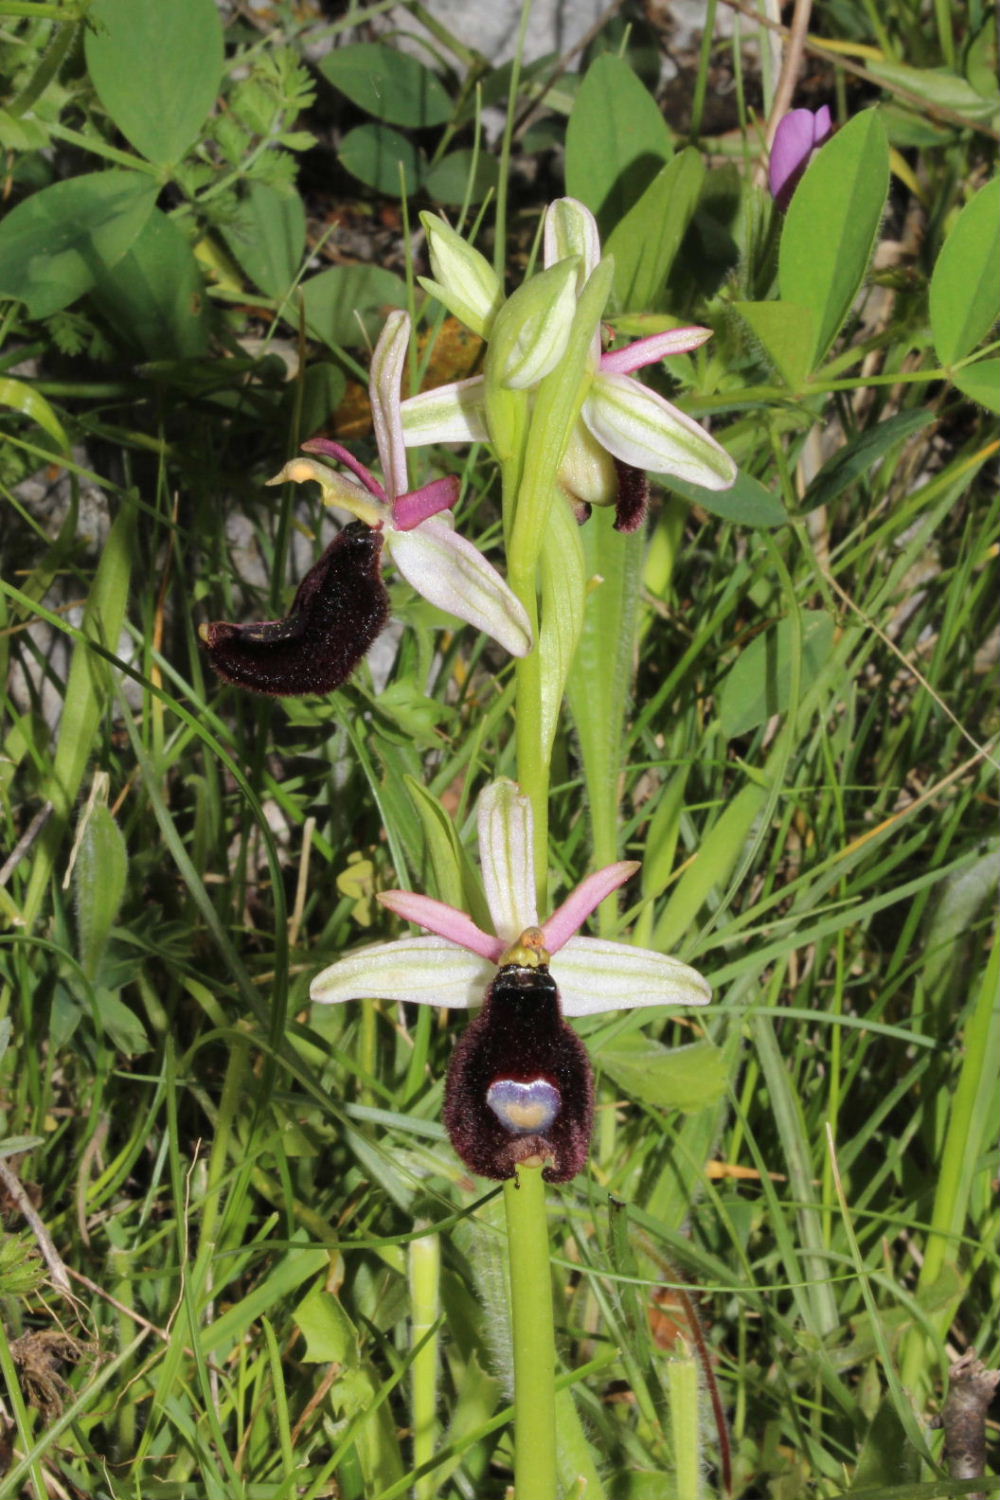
{"x": 759, "y": 684}
{"x": 453, "y": 179}
{"x": 747, "y": 502}
{"x": 328, "y": 1331}
{"x": 713, "y": 863}
{"x": 616, "y": 141}
{"x": 268, "y": 237}
{"x": 50, "y": 243}
{"x": 455, "y": 880}
{"x": 965, "y": 283}
{"x": 981, "y": 382}
{"x": 831, "y": 225}
{"x": 787, "y": 331}
{"x": 645, "y": 242}
{"x": 87, "y": 691}
{"x": 685, "y": 1078}
{"x": 661, "y": 839}
{"x": 20, "y": 396}
{"x": 157, "y": 69}
{"x": 760, "y": 681}
{"x": 124, "y": 1029}
{"x": 383, "y": 159}
{"x": 887, "y": 1455}
{"x": 388, "y": 84}
{"x": 345, "y": 303}
{"x": 981, "y": 59}
{"x": 154, "y": 297}
{"x": 296, "y": 1263}
{"x": 859, "y": 455}
{"x": 99, "y": 879}
{"x": 938, "y": 87}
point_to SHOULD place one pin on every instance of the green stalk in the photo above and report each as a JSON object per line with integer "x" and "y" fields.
{"x": 534, "y": 1336}
{"x": 971, "y": 1110}
{"x": 685, "y": 1427}
{"x": 424, "y": 1272}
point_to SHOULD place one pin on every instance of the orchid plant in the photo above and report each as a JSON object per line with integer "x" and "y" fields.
{"x": 567, "y": 421}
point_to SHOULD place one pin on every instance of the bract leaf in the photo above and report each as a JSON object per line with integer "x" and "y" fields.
{"x": 563, "y": 595}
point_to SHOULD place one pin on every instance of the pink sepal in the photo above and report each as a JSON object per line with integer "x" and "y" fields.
{"x": 417, "y": 505}
{"x": 655, "y": 347}
{"x": 587, "y": 897}
{"x": 329, "y": 449}
{"x": 443, "y": 920}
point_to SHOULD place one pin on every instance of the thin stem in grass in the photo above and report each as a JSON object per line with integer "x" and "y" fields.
{"x": 685, "y": 1427}
{"x": 533, "y": 1336}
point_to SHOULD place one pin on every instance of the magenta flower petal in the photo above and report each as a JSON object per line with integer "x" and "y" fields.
{"x": 444, "y": 920}
{"x": 798, "y": 135}
{"x": 417, "y": 505}
{"x": 587, "y": 897}
{"x": 329, "y": 449}
{"x": 822, "y": 125}
{"x": 657, "y": 346}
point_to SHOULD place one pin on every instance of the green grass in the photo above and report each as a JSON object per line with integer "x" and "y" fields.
{"x": 271, "y": 1244}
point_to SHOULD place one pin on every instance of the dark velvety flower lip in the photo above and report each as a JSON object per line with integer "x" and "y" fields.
{"x": 520, "y": 1087}
{"x": 340, "y": 607}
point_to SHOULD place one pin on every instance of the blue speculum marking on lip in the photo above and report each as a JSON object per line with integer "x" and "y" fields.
{"x": 524, "y": 1108}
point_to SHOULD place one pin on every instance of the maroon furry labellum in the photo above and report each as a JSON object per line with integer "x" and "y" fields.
{"x": 340, "y": 606}
{"x": 520, "y": 1086}
{"x": 633, "y": 497}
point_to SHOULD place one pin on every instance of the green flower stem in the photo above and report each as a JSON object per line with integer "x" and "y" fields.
{"x": 534, "y": 1337}
{"x": 424, "y": 1272}
{"x": 685, "y": 1427}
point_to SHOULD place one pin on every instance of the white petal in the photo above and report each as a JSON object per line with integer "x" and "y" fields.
{"x": 424, "y": 970}
{"x": 640, "y": 428}
{"x": 507, "y": 858}
{"x": 453, "y": 413}
{"x": 449, "y": 571}
{"x": 594, "y": 975}
{"x": 384, "y": 384}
